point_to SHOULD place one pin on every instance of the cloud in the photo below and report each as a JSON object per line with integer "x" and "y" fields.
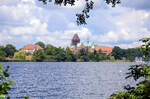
{"x": 28, "y": 21}
{"x": 126, "y": 27}
{"x": 130, "y": 45}
{"x": 136, "y": 4}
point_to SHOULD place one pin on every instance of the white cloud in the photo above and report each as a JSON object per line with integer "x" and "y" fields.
{"x": 4, "y": 37}
{"x": 84, "y": 33}
{"x": 130, "y": 45}
{"x": 25, "y": 21}
{"x": 129, "y": 26}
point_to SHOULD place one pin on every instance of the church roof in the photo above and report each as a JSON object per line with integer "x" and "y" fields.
{"x": 86, "y": 44}
{"x": 76, "y": 37}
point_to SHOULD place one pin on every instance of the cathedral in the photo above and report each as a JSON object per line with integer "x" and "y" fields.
{"x": 75, "y": 40}
{"x": 76, "y": 46}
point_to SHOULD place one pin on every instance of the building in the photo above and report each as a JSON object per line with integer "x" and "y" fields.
{"x": 84, "y": 45}
{"x": 76, "y": 46}
{"x": 31, "y": 48}
{"x": 104, "y": 49}
{"x": 75, "y": 40}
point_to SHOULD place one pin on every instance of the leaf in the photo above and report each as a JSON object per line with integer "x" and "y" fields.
{"x": 10, "y": 82}
{"x": 6, "y": 74}
{"x": 1, "y": 69}
{"x": 26, "y": 96}
{"x": 8, "y": 88}
{"x": 2, "y": 96}
{"x": 6, "y": 70}
{"x": 148, "y": 75}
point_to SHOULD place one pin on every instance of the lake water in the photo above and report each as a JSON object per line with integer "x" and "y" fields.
{"x": 46, "y": 80}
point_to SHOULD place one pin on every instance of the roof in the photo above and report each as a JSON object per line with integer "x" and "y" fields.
{"x": 32, "y": 47}
{"x": 87, "y": 44}
{"x": 105, "y": 49}
{"x": 71, "y": 49}
{"x": 76, "y": 37}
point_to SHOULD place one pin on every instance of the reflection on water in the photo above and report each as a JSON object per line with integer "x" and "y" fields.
{"x": 67, "y": 80}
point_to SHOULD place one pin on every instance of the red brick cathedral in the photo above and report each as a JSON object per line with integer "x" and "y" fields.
{"x": 76, "y": 46}
{"x": 75, "y": 40}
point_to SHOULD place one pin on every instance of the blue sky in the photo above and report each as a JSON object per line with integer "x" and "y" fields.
{"x": 29, "y": 21}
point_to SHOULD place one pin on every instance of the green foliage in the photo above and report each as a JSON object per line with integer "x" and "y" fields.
{"x": 2, "y": 55}
{"x": 41, "y": 44}
{"x": 4, "y": 83}
{"x": 2, "y": 48}
{"x": 117, "y": 52}
{"x": 38, "y": 55}
{"x": 128, "y": 54}
{"x": 20, "y": 55}
{"x": 112, "y": 59}
{"x": 55, "y": 54}
{"x": 146, "y": 48}
{"x": 95, "y": 56}
{"x": 81, "y": 17}
{"x": 10, "y": 50}
{"x": 26, "y": 97}
{"x": 142, "y": 90}
{"x": 70, "y": 57}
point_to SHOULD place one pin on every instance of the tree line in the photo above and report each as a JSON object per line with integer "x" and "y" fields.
{"x": 51, "y": 53}
{"x": 54, "y": 54}
{"x": 127, "y": 54}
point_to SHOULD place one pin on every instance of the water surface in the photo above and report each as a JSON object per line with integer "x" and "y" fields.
{"x": 46, "y": 80}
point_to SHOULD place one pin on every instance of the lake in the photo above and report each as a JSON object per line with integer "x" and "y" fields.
{"x": 59, "y": 80}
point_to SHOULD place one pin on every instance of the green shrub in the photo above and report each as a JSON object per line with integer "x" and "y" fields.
{"x": 4, "y": 83}
{"x": 142, "y": 90}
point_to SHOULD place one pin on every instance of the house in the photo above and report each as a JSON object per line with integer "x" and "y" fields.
{"x": 31, "y": 48}
{"x": 104, "y": 49}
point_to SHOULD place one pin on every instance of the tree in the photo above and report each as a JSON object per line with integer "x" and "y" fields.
{"x": 50, "y": 50}
{"x": 70, "y": 56}
{"x": 103, "y": 56}
{"x": 38, "y": 55}
{"x": 117, "y": 52}
{"x": 81, "y": 17}
{"x": 10, "y": 50}
{"x": 41, "y": 44}
{"x": 82, "y": 52}
{"x": 142, "y": 90}
{"x": 5, "y": 83}
{"x": 20, "y": 55}
{"x": 60, "y": 54}
{"x": 91, "y": 56}
{"x": 2, "y": 48}
{"x": 2, "y": 55}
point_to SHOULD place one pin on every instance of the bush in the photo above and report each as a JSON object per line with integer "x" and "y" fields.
{"x": 2, "y": 55}
{"x": 21, "y": 55}
{"x": 4, "y": 83}
{"x": 142, "y": 91}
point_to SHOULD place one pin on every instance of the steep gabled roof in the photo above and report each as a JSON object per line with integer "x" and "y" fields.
{"x": 32, "y": 47}
{"x": 76, "y": 37}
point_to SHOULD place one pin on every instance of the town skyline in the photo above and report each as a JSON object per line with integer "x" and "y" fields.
{"x": 25, "y": 22}
{"x": 81, "y": 41}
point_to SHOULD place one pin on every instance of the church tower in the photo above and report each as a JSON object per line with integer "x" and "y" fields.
{"x": 75, "y": 40}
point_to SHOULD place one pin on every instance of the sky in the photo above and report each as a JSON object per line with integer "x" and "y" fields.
{"x": 25, "y": 22}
